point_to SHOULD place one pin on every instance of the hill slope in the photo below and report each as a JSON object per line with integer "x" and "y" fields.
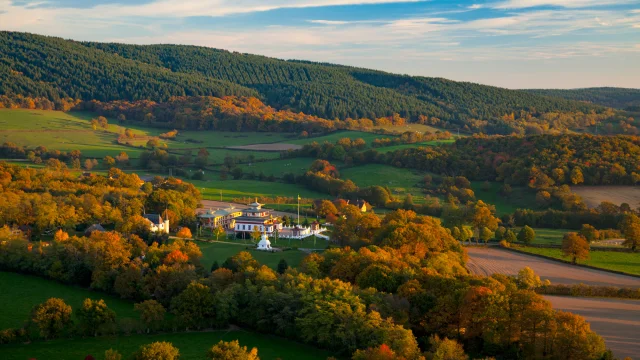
{"x": 619, "y": 98}
{"x": 34, "y": 65}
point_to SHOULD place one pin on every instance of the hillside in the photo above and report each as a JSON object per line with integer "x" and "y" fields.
{"x": 618, "y": 98}
{"x": 54, "y": 68}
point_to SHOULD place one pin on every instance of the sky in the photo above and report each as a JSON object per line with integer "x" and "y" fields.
{"x": 507, "y": 43}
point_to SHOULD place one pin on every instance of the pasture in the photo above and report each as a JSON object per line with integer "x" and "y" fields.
{"x": 386, "y": 149}
{"x": 594, "y": 195}
{"x": 22, "y": 292}
{"x": 234, "y": 189}
{"x": 335, "y": 136}
{"x": 400, "y": 181}
{"x": 611, "y": 260}
{"x": 487, "y": 261}
{"x": 220, "y": 251}
{"x": 192, "y": 346}
{"x": 279, "y": 167}
{"x": 520, "y": 198}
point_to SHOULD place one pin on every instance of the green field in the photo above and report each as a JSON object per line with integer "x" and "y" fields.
{"x": 193, "y": 345}
{"x": 409, "y": 127}
{"x": 625, "y": 262}
{"x": 219, "y": 251}
{"x": 231, "y": 189}
{"x": 279, "y": 167}
{"x": 549, "y": 236}
{"x": 391, "y": 148}
{"x": 520, "y": 198}
{"x": 335, "y": 136}
{"x": 400, "y": 181}
{"x": 198, "y": 139}
{"x": 22, "y": 292}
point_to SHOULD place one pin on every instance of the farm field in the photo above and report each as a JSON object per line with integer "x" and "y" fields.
{"x": 62, "y": 131}
{"x": 487, "y": 261}
{"x": 399, "y": 180}
{"x": 233, "y": 189}
{"x": 279, "y": 167}
{"x": 220, "y": 251}
{"x": 594, "y": 195}
{"x": 617, "y": 321}
{"x": 386, "y": 149}
{"x": 197, "y": 139}
{"x": 27, "y": 291}
{"x": 520, "y": 197}
{"x": 335, "y": 136}
{"x": 548, "y": 236}
{"x": 408, "y": 127}
{"x": 626, "y": 262}
{"x": 193, "y": 345}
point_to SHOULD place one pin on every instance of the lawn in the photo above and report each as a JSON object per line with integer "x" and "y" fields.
{"x": 549, "y": 236}
{"x": 520, "y": 198}
{"x": 22, "y": 292}
{"x": 192, "y": 345}
{"x": 232, "y": 189}
{"x": 219, "y": 251}
{"x": 625, "y": 262}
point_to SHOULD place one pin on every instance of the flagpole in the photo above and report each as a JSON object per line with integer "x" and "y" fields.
{"x": 298, "y": 209}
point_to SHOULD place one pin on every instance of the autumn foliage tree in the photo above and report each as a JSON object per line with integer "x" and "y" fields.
{"x": 184, "y": 233}
{"x": 51, "y": 317}
{"x": 575, "y": 246}
{"x": 231, "y": 350}
{"x": 160, "y": 350}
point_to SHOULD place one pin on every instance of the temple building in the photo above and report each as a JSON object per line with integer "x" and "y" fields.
{"x": 255, "y": 217}
{"x": 225, "y": 218}
{"x": 264, "y": 244}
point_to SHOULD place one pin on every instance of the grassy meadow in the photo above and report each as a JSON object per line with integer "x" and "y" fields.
{"x": 520, "y": 198}
{"x": 625, "y": 262}
{"x": 192, "y": 346}
{"x": 335, "y": 136}
{"x": 400, "y": 181}
{"x": 232, "y": 189}
{"x": 22, "y": 292}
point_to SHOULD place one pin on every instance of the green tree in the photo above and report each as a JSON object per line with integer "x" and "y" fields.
{"x": 218, "y": 231}
{"x": 526, "y": 235}
{"x": 326, "y": 208}
{"x": 151, "y": 313}
{"x": 282, "y": 266}
{"x": 445, "y": 349}
{"x": 194, "y": 306}
{"x": 589, "y": 232}
{"x": 509, "y": 236}
{"x": 51, "y": 317}
{"x": 575, "y": 246}
{"x": 485, "y": 234}
{"x": 236, "y": 173}
{"x": 112, "y": 355}
{"x": 215, "y": 266}
{"x": 527, "y": 279}
{"x": 95, "y": 315}
{"x": 231, "y": 351}
{"x": 158, "y": 351}
{"x": 408, "y": 202}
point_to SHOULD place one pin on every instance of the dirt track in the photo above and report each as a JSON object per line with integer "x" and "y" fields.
{"x": 617, "y": 321}
{"x": 487, "y": 261}
{"x": 594, "y": 195}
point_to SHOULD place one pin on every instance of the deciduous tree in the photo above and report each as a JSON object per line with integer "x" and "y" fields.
{"x": 575, "y": 246}
{"x": 231, "y": 351}
{"x": 158, "y": 351}
{"x": 51, "y": 317}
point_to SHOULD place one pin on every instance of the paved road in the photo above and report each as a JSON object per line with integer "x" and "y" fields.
{"x": 487, "y": 261}
{"x": 617, "y": 321}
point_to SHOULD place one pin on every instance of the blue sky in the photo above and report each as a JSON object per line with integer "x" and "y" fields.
{"x": 509, "y": 43}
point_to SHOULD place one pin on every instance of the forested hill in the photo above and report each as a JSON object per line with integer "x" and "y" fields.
{"x": 619, "y": 98}
{"x": 34, "y": 65}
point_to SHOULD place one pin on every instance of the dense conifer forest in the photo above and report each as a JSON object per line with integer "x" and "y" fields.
{"x": 619, "y": 98}
{"x": 53, "y": 68}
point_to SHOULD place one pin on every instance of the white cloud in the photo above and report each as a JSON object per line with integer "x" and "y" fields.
{"x": 520, "y": 4}
{"x": 328, "y": 22}
{"x": 475, "y": 7}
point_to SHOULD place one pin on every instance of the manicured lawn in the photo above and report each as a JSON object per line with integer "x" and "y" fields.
{"x": 232, "y": 189}
{"x": 191, "y": 345}
{"x": 520, "y": 198}
{"x": 626, "y": 262}
{"x": 218, "y": 251}
{"x": 22, "y": 292}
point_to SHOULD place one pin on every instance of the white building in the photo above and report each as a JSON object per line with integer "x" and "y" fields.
{"x": 255, "y": 217}
{"x": 156, "y": 224}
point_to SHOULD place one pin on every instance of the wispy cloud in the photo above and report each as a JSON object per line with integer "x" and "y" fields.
{"x": 521, "y": 4}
